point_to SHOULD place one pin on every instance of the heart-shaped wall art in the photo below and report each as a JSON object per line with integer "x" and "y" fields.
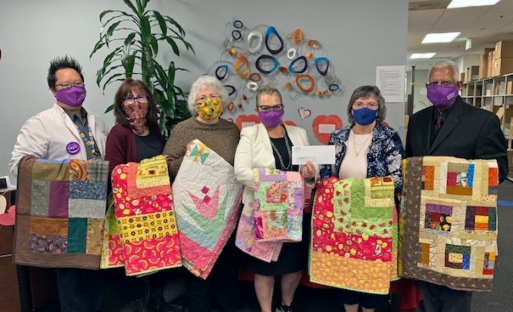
{"x": 246, "y": 120}
{"x": 324, "y": 125}
{"x": 304, "y": 112}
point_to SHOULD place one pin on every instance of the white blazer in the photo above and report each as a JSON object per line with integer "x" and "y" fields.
{"x": 255, "y": 151}
{"x": 47, "y": 134}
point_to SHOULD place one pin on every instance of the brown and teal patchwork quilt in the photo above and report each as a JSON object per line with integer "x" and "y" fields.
{"x": 60, "y": 213}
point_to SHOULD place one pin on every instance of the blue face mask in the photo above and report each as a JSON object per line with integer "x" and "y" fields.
{"x": 364, "y": 116}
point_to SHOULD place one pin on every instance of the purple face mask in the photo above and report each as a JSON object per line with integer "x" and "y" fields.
{"x": 272, "y": 118}
{"x": 73, "y": 96}
{"x": 442, "y": 96}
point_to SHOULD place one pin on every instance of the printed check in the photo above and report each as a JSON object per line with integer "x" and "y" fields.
{"x": 318, "y": 154}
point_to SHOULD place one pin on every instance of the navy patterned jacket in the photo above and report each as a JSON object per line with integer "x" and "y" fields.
{"x": 384, "y": 158}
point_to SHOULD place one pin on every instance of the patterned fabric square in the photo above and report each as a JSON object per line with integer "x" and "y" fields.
{"x": 207, "y": 198}
{"x": 51, "y": 170}
{"x": 428, "y": 177}
{"x": 58, "y": 204}
{"x": 94, "y": 236}
{"x": 450, "y": 231}
{"x": 113, "y": 255}
{"x": 489, "y": 263}
{"x": 273, "y": 215}
{"x": 278, "y": 201}
{"x": 97, "y": 172}
{"x": 46, "y": 233}
{"x": 88, "y": 190}
{"x": 438, "y": 217}
{"x": 354, "y": 235}
{"x": 86, "y": 208}
{"x": 39, "y": 205}
{"x": 144, "y": 217}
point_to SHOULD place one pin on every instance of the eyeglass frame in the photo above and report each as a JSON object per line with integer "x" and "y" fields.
{"x": 79, "y": 84}
{"x": 204, "y": 97}
{"x": 357, "y": 105}
{"x": 445, "y": 83}
{"x": 268, "y": 108}
{"x": 131, "y": 100}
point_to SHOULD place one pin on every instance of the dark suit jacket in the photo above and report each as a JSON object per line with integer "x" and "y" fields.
{"x": 469, "y": 132}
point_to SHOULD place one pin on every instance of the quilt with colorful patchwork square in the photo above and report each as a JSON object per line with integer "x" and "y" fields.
{"x": 146, "y": 238}
{"x": 354, "y": 234}
{"x": 449, "y": 221}
{"x": 207, "y": 202}
{"x": 273, "y": 215}
{"x": 60, "y": 212}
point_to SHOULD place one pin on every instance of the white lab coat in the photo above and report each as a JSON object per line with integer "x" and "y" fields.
{"x": 47, "y": 134}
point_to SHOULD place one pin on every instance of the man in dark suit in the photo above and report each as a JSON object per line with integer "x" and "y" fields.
{"x": 452, "y": 127}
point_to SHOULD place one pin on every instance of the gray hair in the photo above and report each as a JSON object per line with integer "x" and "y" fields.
{"x": 446, "y": 63}
{"x": 366, "y": 92}
{"x": 202, "y": 83}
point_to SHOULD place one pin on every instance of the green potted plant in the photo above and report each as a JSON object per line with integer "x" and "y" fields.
{"x": 134, "y": 39}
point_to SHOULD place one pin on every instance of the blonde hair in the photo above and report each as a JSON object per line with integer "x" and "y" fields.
{"x": 269, "y": 90}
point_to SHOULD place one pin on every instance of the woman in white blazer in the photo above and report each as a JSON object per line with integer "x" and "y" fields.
{"x": 269, "y": 144}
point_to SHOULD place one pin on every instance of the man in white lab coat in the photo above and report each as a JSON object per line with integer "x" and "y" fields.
{"x": 62, "y": 132}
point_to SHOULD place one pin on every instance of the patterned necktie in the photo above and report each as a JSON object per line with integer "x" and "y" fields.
{"x": 439, "y": 122}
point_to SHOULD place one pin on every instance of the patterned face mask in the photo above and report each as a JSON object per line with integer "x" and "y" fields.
{"x": 137, "y": 113}
{"x": 209, "y": 108}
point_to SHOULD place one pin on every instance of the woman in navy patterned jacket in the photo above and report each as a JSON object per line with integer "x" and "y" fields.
{"x": 365, "y": 148}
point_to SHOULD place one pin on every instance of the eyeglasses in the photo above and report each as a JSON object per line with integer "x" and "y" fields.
{"x": 444, "y": 83}
{"x": 371, "y": 105}
{"x": 141, "y": 99}
{"x": 265, "y": 108}
{"x": 204, "y": 97}
{"x": 66, "y": 85}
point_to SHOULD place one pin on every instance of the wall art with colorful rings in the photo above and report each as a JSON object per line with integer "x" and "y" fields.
{"x": 264, "y": 55}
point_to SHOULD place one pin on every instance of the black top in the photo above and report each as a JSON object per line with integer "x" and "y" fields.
{"x": 281, "y": 146}
{"x": 148, "y": 146}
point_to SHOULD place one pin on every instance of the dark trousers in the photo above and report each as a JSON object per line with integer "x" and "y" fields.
{"x": 438, "y": 298}
{"x": 80, "y": 290}
{"x": 222, "y": 281}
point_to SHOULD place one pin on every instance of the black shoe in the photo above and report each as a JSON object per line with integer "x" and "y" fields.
{"x": 284, "y": 308}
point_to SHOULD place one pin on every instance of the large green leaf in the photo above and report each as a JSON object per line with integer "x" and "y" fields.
{"x": 161, "y": 21}
{"x": 131, "y": 6}
{"x": 132, "y": 39}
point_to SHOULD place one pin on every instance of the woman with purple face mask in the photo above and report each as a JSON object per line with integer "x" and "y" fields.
{"x": 269, "y": 145}
{"x": 364, "y": 149}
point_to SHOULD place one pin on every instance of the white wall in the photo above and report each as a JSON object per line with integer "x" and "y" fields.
{"x": 358, "y": 36}
{"x": 420, "y": 100}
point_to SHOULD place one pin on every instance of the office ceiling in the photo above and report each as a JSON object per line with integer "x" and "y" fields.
{"x": 483, "y": 25}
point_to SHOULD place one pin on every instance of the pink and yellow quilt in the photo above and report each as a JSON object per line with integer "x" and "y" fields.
{"x": 207, "y": 199}
{"x": 146, "y": 237}
{"x": 273, "y": 215}
{"x": 60, "y": 212}
{"x": 354, "y": 235}
{"x": 450, "y": 221}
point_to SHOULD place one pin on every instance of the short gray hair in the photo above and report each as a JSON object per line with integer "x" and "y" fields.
{"x": 366, "y": 92}
{"x": 205, "y": 82}
{"x": 445, "y": 63}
